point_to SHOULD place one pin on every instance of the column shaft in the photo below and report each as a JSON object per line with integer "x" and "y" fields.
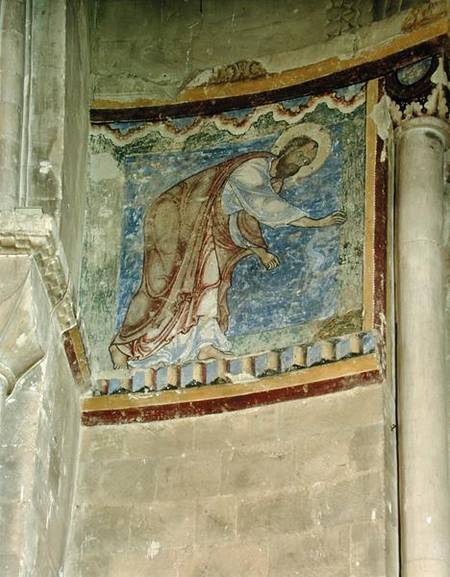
{"x": 424, "y": 483}
{"x": 12, "y": 55}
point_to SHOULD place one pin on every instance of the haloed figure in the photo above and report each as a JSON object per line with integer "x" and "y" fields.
{"x": 194, "y": 235}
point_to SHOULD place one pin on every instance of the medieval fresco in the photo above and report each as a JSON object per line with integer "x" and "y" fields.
{"x": 225, "y": 235}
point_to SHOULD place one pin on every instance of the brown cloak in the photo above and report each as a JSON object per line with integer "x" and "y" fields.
{"x": 181, "y": 228}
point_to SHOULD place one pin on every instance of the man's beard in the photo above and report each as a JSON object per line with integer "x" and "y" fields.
{"x": 286, "y": 169}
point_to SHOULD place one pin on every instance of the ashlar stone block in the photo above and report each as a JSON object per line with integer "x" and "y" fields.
{"x": 100, "y": 444}
{"x": 278, "y": 513}
{"x": 242, "y": 428}
{"x": 215, "y": 520}
{"x": 322, "y": 458}
{"x": 156, "y": 561}
{"x": 169, "y": 524}
{"x": 360, "y": 499}
{"x": 258, "y": 469}
{"x": 225, "y": 561}
{"x": 167, "y": 438}
{"x": 188, "y": 476}
{"x": 314, "y": 554}
{"x": 368, "y": 550}
{"x": 358, "y": 407}
{"x": 366, "y": 448}
{"x": 103, "y": 528}
{"x": 121, "y": 482}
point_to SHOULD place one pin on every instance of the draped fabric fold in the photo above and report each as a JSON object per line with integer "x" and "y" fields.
{"x": 181, "y": 230}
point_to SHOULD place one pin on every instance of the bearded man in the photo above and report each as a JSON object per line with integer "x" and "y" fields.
{"x": 194, "y": 235}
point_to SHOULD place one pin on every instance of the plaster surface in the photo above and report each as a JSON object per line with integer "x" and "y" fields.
{"x": 154, "y": 51}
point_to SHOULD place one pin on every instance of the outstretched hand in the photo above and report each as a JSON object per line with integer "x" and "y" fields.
{"x": 335, "y": 218}
{"x": 338, "y": 217}
{"x": 270, "y": 261}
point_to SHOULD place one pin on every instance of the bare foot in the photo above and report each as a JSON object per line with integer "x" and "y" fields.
{"x": 119, "y": 359}
{"x": 210, "y": 352}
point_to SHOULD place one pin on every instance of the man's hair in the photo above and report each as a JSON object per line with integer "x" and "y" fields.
{"x": 296, "y": 143}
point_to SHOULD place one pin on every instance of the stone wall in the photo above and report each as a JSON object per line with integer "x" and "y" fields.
{"x": 298, "y": 488}
{"x": 39, "y": 428}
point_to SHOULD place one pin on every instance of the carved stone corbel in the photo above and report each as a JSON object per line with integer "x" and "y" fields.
{"x": 36, "y": 287}
{"x": 420, "y": 89}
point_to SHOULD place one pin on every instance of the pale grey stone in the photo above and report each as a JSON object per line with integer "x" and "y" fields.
{"x": 215, "y": 520}
{"x": 126, "y": 481}
{"x": 225, "y": 561}
{"x": 14, "y": 16}
{"x": 103, "y": 525}
{"x": 170, "y": 524}
{"x": 103, "y": 443}
{"x": 314, "y": 354}
{"x": 188, "y": 476}
{"x": 315, "y": 554}
{"x": 241, "y": 428}
{"x": 13, "y": 517}
{"x": 156, "y": 561}
{"x": 358, "y": 407}
{"x": 276, "y": 513}
{"x": 359, "y": 499}
{"x": 258, "y": 469}
{"x": 368, "y": 550}
{"x": 322, "y": 458}
{"x": 10, "y": 564}
{"x": 10, "y": 115}
{"x": 366, "y": 448}
{"x": 92, "y": 566}
{"x": 163, "y": 438}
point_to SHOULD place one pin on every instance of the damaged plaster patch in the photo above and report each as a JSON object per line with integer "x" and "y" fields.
{"x": 382, "y": 118}
{"x": 153, "y": 549}
{"x": 21, "y": 340}
{"x": 104, "y": 168}
{"x": 45, "y": 166}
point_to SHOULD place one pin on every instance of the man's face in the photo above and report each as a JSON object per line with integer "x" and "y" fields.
{"x": 291, "y": 162}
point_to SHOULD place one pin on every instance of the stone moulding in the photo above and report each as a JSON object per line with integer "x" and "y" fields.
{"x": 29, "y": 231}
{"x": 32, "y": 233}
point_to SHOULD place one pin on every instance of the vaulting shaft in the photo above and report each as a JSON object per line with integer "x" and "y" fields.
{"x": 424, "y": 483}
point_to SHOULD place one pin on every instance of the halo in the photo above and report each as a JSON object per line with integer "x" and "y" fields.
{"x": 315, "y": 131}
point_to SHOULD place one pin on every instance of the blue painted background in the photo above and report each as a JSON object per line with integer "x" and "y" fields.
{"x": 302, "y": 288}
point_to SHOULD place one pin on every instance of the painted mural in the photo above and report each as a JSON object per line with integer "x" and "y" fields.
{"x": 225, "y": 235}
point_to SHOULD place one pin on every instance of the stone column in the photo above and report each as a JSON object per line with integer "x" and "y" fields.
{"x": 12, "y": 67}
{"x": 423, "y": 451}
